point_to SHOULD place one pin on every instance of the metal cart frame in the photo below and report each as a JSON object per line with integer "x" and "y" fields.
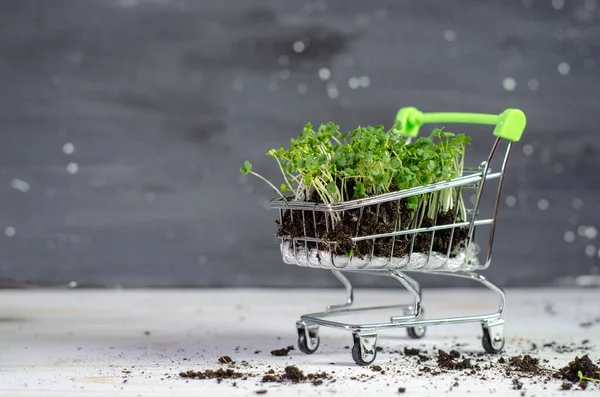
{"x": 509, "y": 127}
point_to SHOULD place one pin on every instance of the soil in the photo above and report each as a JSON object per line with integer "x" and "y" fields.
{"x": 210, "y": 374}
{"x": 524, "y": 364}
{"x": 411, "y": 352}
{"x": 513, "y": 369}
{"x": 448, "y": 361}
{"x": 225, "y": 360}
{"x": 282, "y": 352}
{"x": 583, "y": 364}
{"x": 372, "y": 221}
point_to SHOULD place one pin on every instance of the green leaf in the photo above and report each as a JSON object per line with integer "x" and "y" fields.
{"x": 283, "y": 187}
{"x": 331, "y": 188}
{"x": 246, "y": 168}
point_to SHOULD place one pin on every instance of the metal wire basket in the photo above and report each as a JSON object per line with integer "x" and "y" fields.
{"x": 461, "y": 258}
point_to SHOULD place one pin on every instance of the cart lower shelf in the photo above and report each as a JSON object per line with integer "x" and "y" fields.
{"x": 412, "y": 317}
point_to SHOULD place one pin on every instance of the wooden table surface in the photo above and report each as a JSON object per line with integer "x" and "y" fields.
{"x": 136, "y": 342}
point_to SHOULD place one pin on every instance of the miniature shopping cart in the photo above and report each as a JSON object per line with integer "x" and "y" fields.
{"x": 307, "y": 250}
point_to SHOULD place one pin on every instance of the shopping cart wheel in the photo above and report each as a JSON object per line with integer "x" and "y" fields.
{"x": 416, "y": 332}
{"x": 308, "y": 337}
{"x": 364, "y": 350}
{"x": 493, "y": 336}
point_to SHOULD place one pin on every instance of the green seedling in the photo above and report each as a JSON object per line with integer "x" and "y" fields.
{"x": 581, "y": 377}
{"x": 334, "y": 167}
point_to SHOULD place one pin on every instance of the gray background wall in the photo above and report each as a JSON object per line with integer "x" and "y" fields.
{"x": 162, "y": 100}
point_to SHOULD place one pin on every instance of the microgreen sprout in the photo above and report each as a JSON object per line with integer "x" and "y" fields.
{"x": 581, "y": 377}
{"x": 331, "y": 167}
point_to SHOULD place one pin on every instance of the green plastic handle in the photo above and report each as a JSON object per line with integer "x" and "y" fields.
{"x": 510, "y": 124}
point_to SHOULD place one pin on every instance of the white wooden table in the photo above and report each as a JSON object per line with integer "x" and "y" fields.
{"x": 135, "y": 342}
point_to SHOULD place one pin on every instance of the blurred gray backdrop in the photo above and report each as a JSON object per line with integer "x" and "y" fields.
{"x": 124, "y": 122}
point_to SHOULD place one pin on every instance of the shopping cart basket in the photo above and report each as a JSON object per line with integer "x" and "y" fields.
{"x": 307, "y": 250}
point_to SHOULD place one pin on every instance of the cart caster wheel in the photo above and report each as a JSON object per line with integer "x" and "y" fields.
{"x": 364, "y": 350}
{"x": 305, "y": 348}
{"x": 308, "y": 337}
{"x": 416, "y": 332}
{"x": 493, "y": 336}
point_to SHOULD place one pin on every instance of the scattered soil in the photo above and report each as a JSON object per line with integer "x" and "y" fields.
{"x": 370, "y": 221}
{"x": 401, "y": 389}
{"x": 524, "y": 364}
{"x": 517, "y": 384}
{"x": 583, "y": 364}
{"x": 566, "y": 386}
{"x": 210, "y": 374}
{"x": 376, "y": 368}
{"x": 282, "y": 352}
{"x": 447, "y": 360}
{"x": 411, "y": 352}
{"x": 225, "y": 360}
{"x": 263, "y": 391}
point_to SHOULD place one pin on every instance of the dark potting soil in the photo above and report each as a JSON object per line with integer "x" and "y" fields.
{"x": 583, "y": 364}
{"x": 448, "y": 361}
{"x": 390, "y": 216}
{"x": 282, "y": 352}
{"x": 525, "y": 364}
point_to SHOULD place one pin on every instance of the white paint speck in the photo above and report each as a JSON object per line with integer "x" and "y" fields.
{"x": 511, "y": 201}
{"x": 20, "y": 185}
{"x": 151, "y": 197}
{"x": 302, "y": 88}
{"x": 73, "y": 284}
{"x": 202, "y": 259}
{"x": 449, "y": 35}
{"x": 564, "y": 68}
{"x": 324, "y": 74}
{"x": 577, "y": 203}
{"x": 284, "y": 74}
{"x": 68, "y": 148}
{"x": 569, "y": 236}
{"x": 332, "y": 90}
{"x": 590, "y": 251}
{"x": 509, "y": 84}
{"x": 298, "y": 46}
{"x": 558, "y": 168}
{"x": 598, "y": 252}
{"x": 528, "y": 149}
{"x": 591, "y": 232}
{"x": 10, "y": 231}
{"x": 358, "y": 82}
{"x": 72, "y": 168}
{"x": 543, "y": 205}
{"x": 558, "y": 4}
{"x": 581, "y": 230}
{"x": 533, "y": 84}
